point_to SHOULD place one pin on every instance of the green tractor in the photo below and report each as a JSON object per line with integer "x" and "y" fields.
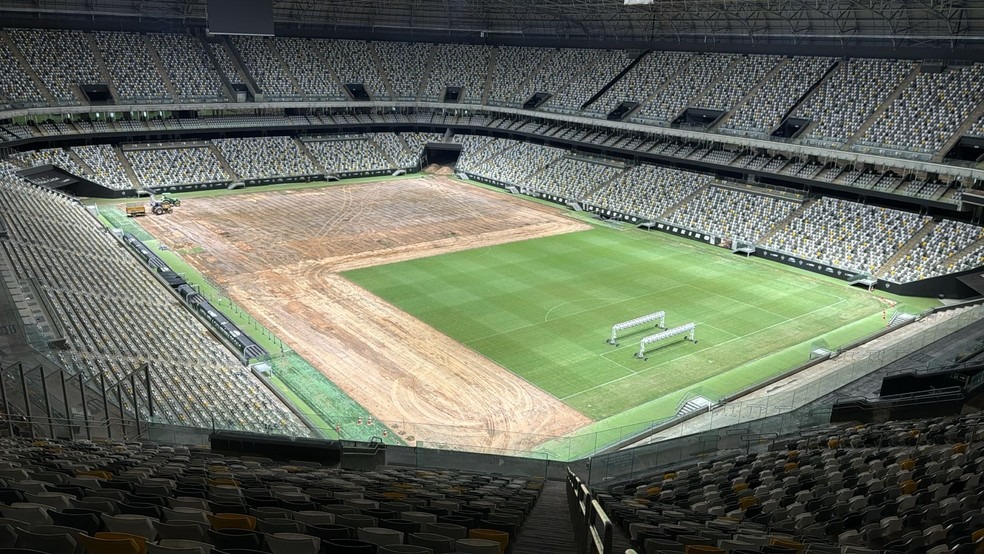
{"x": 174, "y": 202}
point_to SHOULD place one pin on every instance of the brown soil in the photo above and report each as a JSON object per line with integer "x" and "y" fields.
{"x": 278, "y": 254}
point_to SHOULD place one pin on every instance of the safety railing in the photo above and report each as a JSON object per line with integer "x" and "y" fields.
{"x": 592, "y": 526}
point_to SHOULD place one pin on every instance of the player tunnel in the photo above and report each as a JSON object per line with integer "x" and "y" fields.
{"x": 442, "y": 154}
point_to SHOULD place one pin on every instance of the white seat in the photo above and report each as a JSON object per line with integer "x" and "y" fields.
{"x": 133, "y": 524}
{"x": 476, "y": 546}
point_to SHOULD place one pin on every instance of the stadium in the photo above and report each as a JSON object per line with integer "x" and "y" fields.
{"x": 488, "y": 277}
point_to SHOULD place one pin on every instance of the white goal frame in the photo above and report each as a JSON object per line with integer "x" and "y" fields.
{"x": 659, "y": 317}
{"x": 686, "y": 329}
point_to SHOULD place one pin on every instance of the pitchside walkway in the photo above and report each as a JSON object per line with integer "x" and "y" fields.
{"x": 549, "y": 530}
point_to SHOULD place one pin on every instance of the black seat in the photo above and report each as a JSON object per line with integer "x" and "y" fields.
{"x": 225, "y": 539}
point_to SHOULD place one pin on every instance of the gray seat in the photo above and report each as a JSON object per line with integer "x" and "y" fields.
{"x": 56, "y": 543}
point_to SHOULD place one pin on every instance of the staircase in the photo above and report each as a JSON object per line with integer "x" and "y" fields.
{"x": 883, "y": 107}
{"x": 544, "y": 61}
{"x": 89, "y": 173}
{"x": 240, "y": 66}
{"x": 621, "y": 74}
{"x": 683, "y": 201}
{"x": 26, "y": 68}
{"x": 487, "y": 87}
{"x": 785, "y": 222}
{"x": 751, "y": 93}
{"x": 283, "y": 66}
{"x": 426, "y": 74}
{"x": 227, "y": 86}
{"x": 548, "y": 528}
{"x": 955, "y": 257}
{"x": 382, "y": 152}
{"x": 127, "y": 168}
{"x": 662, "y": 86}
{"x": 961, "y": 131}
{"x": 223, "y": 162}
{"x": 379, "y": 69}
{"x": 103, "y": 71}
{"x": 304, "y": 150}
{"x": 907, "y": 247}
{"x": 159, "y": 64}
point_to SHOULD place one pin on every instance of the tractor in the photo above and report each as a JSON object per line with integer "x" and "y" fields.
{"x": 174, "y": 202}
{"x": 160, "y": 207}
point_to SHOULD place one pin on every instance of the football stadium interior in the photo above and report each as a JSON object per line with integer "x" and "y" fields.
{"x": 476, "y": 276}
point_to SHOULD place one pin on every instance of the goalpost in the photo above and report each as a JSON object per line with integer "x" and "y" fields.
{"x": 658, "y": 317}
{"x": 687, "y": 330}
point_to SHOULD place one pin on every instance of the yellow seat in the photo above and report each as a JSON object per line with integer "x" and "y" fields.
{"x": 909, "y": 486}
{"x": 786, "y": 543}
{"x": 113, "y": 543}
{"x": 500, "y": 537}
{"x": 747, "y": 502}
{"x": 232, "y": 521}
{"x": 702, "y": 549}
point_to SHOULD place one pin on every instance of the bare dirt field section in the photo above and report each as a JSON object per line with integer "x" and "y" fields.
{"x": 278, "y": 254}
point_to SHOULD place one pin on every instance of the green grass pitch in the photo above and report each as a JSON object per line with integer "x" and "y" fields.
{"x": 544, "y": 308}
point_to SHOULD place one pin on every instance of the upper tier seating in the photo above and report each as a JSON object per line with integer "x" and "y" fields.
{"x": 308, "y": 62}
{"x": 131, "y": 67}
{"x": 16, "y": 87}
{"x": 188, "y": 67}
{"x": 62, "y": 59}
{"x": 513, "y": 68}
{"x": 685, "y": 87}
{"x": 642, "y": 80}
{"x": 850, "y": 96}
{"x": 266, "y": 67}
{"x": 744, "y": 74}
{"x": 403, "y": 63}
{"x": 763, "y": 112}
{"x": 929, "y": 110}
{"x": 457, "y": 65}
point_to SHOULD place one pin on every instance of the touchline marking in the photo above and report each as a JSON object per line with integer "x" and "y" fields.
{"x": 565, "y": 398}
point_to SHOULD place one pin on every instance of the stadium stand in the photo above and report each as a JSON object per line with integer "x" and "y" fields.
{"x": 929, "y": 258}
{"x": 572, "y": 178}
{"x": 684, "y": 87}
{"x": 848, "y": 235}
{"x": 928, "y": 111}
{"x": 226, "y": 64}
{"x": 50, "y": 156}
{"x": 647, "y": 190}
{"x": 572, "y": 77}
{"x": 728, "y": 213}
{"x": 16, "y": 87}
{"x": 107, "y": 170}
{"x": 341, "y": 155}
{"x": 763, "y": 112}
{"x": 847, "y": 98}
{"x": 404, "y": 63}
{"x": 188, "y": 67}
{"x": 307, "y": 61}
{"x": 512, "y": 68}
{"x": 55, "y": 243}
{"x": 907, "y": 486}
{"x": 977, "y": 129}
{"x": 161, "y": 498}
{"x": 462, "y": 66}
{"x": 744, "y": 74}
{"x": 265, "y": 158}
{"x": 267, "y": 67}
{"x": 175, "y": 164}
{"x": 352, "y": 62}
{"x": 62, "y": 59}
{"x": 131, "y": 67}
{"x": 646, "y": 77}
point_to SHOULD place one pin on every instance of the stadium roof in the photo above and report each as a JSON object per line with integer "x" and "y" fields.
{"x": 787, "y": 20}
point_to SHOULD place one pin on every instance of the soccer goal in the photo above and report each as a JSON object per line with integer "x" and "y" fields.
{"x": 687, "y": 330}
{"x": 658, "y": 317}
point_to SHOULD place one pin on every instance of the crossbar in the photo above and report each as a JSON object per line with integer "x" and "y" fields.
{"x": 687, "y": 328}
{"x": 658, "y": 317}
